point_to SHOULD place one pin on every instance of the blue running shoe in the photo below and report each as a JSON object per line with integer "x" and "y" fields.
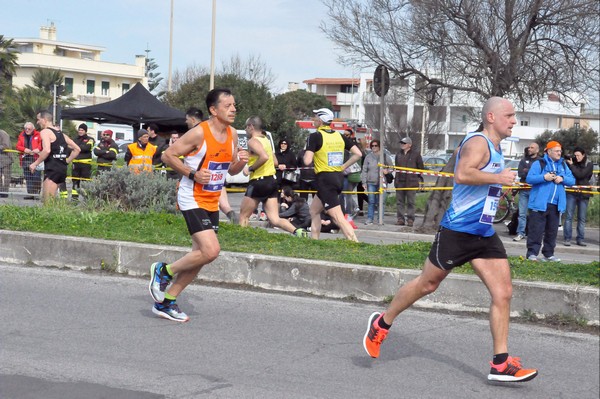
{"x": 169, "y": 310}
{"x": 159, "y": 280}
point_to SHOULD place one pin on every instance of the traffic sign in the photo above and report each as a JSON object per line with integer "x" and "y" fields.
{"x": 381, "y": 80}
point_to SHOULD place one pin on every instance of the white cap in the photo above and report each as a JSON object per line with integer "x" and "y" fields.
{"x": 324, "y": 114}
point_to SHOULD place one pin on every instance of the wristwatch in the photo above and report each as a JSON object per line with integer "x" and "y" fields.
{"x": 191, "y": 175}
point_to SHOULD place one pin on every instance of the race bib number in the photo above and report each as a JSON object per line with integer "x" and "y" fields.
{"x": 218, "y": 173}
{"x": 335, "y": 159}
{"x": 491, "y": 205}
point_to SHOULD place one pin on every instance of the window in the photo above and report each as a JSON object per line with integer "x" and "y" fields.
{"x": 68, "y": 86}
{"x": 524, "y": 121}
{"x": 106, "y": 88}
{"x": 90, "y": 86}
{"x": 125, "y": 87}
{"x": 546, "y": 123}
{"x": 348, "y": 89}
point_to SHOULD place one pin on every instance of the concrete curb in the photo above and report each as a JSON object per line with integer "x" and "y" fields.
{"x": 333, "y": 280}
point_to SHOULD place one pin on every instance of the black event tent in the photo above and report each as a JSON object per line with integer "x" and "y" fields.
{"x": 137, "y": 106}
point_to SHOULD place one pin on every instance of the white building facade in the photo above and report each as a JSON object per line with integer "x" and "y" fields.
{"x": 448, "y": 120}
{"x": 87, "y": 78}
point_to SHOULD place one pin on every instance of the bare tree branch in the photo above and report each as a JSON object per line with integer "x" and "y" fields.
{"x": 518, "y": 48}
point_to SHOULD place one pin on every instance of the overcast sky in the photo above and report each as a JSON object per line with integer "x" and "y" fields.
{"x": 285, "y": 33}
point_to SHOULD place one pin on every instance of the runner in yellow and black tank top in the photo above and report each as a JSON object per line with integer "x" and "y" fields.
{"x": 266, "y": 169}
{"x": 330, "y": 157}
{"x": 263, "y": 186}
{"x": 326, "y": 148}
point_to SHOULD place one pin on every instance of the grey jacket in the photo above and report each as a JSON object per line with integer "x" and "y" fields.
{"x": 6, "y": 158}
{"x": 370, "y": 170}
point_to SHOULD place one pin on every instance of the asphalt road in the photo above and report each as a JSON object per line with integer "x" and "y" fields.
{"x": 68, "y": 334}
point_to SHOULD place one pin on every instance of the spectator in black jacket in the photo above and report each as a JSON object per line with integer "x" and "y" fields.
{"x": 298, "y": 213}
{"x": 582, "y": 170}
{"x": 158, "y": 141}
{"x": 531, "y": 155}
{"x": 106, "y": 151}
{"x": 286, "y": 164}
{"x": 82, "y": 165}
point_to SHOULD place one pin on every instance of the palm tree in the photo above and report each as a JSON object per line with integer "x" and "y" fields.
{"x": 45, "y": 79}
{"x": 8, "y": 58}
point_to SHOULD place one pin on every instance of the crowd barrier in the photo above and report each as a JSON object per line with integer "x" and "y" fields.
{"x": 22, "y": 182}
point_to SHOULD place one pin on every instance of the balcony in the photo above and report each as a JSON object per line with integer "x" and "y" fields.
{"x": 90, "y": 99}
{"x": 347, "y": 98}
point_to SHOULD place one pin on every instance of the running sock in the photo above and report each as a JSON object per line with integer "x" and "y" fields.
{"x": 500, "y": 358}
{"x": 169, "y": 297}
{"x": 168, "y": 270}
{"x": 383, "y": 324}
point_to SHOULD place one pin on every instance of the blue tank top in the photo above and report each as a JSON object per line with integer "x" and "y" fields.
{"x": 473, "y": 208}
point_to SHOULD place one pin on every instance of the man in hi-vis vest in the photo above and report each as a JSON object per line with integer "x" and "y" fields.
{"x": 139, "y": 155}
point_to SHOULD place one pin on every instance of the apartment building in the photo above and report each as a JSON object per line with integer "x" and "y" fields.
{"x": 87, "y": 78}
{"x": 448, "y": 120}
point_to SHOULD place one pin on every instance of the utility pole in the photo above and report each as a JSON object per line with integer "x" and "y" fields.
{"x": 169, "y": 78}
{"x": 212, "y": 45}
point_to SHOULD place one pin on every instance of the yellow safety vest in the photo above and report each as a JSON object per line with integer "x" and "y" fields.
{"x": 141, "y": 158}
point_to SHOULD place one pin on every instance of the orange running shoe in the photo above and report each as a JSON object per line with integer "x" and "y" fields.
{"x": 374, "y": 336}
{"x": 511, "y": 371}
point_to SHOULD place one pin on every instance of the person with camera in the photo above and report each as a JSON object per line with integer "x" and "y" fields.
{"x": 582, "y": 170}
{"x": 547, "y": 200}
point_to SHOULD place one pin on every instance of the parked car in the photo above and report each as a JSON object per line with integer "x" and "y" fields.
{"x": 240, "y": 179}
{"x": 513, "y": 164}
{"x": 122, "y": 144}
{"x": 434, "y": 164}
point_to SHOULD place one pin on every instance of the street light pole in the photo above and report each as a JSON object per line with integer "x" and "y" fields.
{"x": 169, "y": 80}
{"x": 212, "y": 45}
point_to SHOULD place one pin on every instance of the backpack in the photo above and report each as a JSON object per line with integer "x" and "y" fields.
{"x": 542, "y": 162}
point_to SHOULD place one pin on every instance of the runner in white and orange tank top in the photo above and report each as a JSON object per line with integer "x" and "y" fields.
{"x": 210, "y": 149}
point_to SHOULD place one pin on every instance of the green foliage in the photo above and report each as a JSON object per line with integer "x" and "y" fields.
{"x": 122, "y": 190}
{"x": 593, "y": 212}
{"x": 8, "y": 57}
{"x": 571, "y": 138}
{"x": 45, "y": 79}
{"x": 154, "y": 77}
{"x": 251, "y": 98}
{"x": 290, "y": 107}
{"x": 279, "y": 113}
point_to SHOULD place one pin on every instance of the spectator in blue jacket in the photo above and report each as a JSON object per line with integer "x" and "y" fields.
{"x": 547, "y": 200}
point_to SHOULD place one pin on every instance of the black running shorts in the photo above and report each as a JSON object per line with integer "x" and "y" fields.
{"x": 199, "y": 219}
{"x": 329, "y": 188}
{"x": 452, "y": 249}
{"x": 263, "y": 188}
{"x": 57, "y": 173}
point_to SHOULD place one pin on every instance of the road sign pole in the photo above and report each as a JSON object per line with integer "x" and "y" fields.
{"x": 382, "y": 146}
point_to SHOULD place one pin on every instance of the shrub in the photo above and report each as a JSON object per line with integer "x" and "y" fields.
{"x": 120, "y": 189}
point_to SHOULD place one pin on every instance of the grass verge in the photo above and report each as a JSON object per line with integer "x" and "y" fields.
{"x": 168, "y": 229}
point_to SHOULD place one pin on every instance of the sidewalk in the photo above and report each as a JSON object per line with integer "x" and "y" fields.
{"x": 389, "y": 233}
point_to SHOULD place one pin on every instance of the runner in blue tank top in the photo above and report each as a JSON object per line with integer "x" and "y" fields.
{"x": 466, "y": 235}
